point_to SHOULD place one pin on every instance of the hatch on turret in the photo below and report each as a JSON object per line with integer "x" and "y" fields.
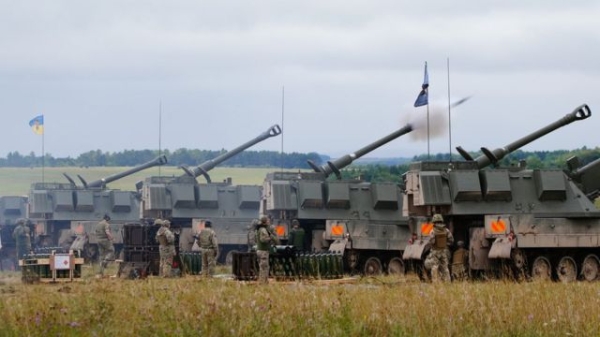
{"x": 120, "y": 201}
{"x": 63, "y": 201}
{"x": 339, "y": 195}
{"x": 248, "y": 197}
{"x": 85, "y": 201}
{"x": 385, "y": 196}
{"x": 208, "y": 196}
{"x": 183, "y": 196}
{"x": 496, "y": 185}
{"x": 465, "y": 186}
{"x": 311, "y": 194}
{"x": 550, "y": 185}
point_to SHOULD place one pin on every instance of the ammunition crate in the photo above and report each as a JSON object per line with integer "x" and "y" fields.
{"x": 50, "y": 268}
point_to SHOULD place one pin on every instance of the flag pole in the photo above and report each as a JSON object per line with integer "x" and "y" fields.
{"x": 282, "y": 129}
{"x": 43, "y": 156}
{"x": 159, "y": 132}
{"x": 449, "y": 112}
{"x": 428, "y": 152}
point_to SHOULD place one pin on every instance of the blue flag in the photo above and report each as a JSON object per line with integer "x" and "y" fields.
{"x": 423, "y": 98}
{"x": 37, "y": 124}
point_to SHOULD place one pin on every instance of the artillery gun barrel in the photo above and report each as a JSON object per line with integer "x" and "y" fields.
{"x": 161, "y": 160}
{"x": 340, "y": 163}
{"x": 491, "y": 157}
{"x": 588, "y": 177}
{"x": 208, "y": 165}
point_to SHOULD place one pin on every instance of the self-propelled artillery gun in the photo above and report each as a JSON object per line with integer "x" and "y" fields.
{"x": 64, "y": 213}
{"x": 359, "y": 220}
{"x": 539, "y": 223}
{"x": 188, "y": 203}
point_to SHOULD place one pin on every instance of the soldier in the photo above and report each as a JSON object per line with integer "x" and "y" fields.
{"x": 440, "y": 240}
{"x": 296, "y": 238}
{"x": 263, "y": 244}
{"x": 207, "y": 240}
{"x": 166, "y": 241}
{"x": 22, "y": 236}
{"x": 106, "y": 249}
{"x": 460, "y": 262}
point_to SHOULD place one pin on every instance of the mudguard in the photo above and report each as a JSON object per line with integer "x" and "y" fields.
{"x": 415, "y": 250}
{"x": 501, "y": 248}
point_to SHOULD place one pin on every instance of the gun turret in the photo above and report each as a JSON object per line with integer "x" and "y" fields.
{"x": 492, "y": 157}
{"x": 208, "y": 165}
{"x": 340, "y": 163}
{"x": 161, "y": 160}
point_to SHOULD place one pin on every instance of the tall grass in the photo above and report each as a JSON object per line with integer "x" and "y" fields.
{"x": 369, "y": 307}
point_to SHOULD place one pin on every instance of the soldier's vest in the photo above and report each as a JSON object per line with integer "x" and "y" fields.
{"x": 459, "y": 256}
{"x": 298, "y": 238}
{"x": 264, "y": 246}
{"x": 205, "y": 239}
{"x": 161, "y": 237}
{"x": 440, "y": 238}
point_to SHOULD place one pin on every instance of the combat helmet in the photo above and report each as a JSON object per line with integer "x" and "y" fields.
{"x": 263, "y": 220}
{"x": 437, "y": 218}
{"x": 166, "y": 223}
{"x": 158, "y": 222}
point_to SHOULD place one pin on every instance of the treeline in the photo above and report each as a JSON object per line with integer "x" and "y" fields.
{"x": 176, "y": 158}
{"x": 534, "y": 160}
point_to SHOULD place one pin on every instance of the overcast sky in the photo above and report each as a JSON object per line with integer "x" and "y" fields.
{"x": 98, "y": 72}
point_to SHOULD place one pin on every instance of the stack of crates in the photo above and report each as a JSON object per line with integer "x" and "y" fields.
{"x": 52, "y": 267}
{"x": 140, "y": 245}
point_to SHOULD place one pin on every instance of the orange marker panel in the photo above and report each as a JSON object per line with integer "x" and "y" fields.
{"x": 426, "y": 228}
{"x": 337, "y": 230}
{"x": 498, "y": 226}
{"x": 280, "y": 230}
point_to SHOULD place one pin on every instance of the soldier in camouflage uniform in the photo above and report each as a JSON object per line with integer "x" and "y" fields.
{"x": 106, "y": 249}
{"x": 440, "y": 239}
{"x": 207, "y": 240}
{"x": 460, "y": 262}
{"x": 166, "y": 249}
{"x": 22, "y": 236}
{"x": 264, "y": 239}
{"x": 296, "y": 238}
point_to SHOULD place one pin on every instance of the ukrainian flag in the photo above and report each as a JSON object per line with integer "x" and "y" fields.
{"x": 37, "y": 124}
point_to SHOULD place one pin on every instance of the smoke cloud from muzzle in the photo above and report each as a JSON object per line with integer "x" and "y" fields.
{"x": 438, "y": 121}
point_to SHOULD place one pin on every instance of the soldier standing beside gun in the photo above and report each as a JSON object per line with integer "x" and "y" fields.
{"x": 263, "y": 245}
{"x": 105, "y": 246}
{"x": 22, "y": 236}
{"x": 166, "y": 249}
{"x": 440, "y": 240}
{"x": 209, "y": 247}
{"x": 296, "y": 238}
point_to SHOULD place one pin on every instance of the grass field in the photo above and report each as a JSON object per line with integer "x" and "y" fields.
{"x": 387, "y": 306}
{"x": 17, "y": 181}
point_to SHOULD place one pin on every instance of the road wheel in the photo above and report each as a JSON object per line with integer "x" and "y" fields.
{"x": 372, "y": 267}
{"x": 590, "y": 268}
{"x": 566, "y": 270}
{"x": 541, "y": 269}
{"x": 395, "y": 266}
